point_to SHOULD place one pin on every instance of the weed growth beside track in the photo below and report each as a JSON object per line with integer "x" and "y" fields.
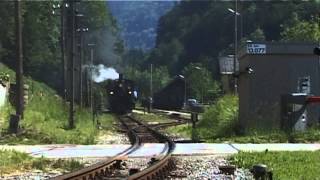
{"x": 285, "y": 165}
{"x": 13, "y": 161}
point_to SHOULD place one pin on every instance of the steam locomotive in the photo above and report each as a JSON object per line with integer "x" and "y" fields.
{"x": 121, "y": 95}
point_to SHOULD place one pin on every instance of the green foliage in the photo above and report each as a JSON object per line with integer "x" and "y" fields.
{"x": 41, "y": 42}
{"x": 195, "y": 29}
{"x": 305, "y": 31}
{"x": 41, "y": 34}
{"x": 167, "y": 54}
{"x": 310, "y": 136}
{"x": 219, "y": 120}
{"x": 160, "y": 77}
{"x": 257, "y": 35}
{"x": 11, "y": 161}
{"x": 284, "y": 165}
{"x": 184, "y": 131}
{"x": 205, "y": 89}
{"x": 4, "y": 77}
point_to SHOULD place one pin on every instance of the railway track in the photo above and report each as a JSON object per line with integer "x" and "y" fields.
{"x": 139, "y": 133}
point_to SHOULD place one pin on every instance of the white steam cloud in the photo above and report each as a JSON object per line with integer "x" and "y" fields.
{"x": 103, "y": 73}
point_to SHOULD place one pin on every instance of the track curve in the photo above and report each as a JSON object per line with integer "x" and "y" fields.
{"x": 138, "y": 133}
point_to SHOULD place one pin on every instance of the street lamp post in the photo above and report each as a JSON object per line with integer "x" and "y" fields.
{"x": 236, "y": 14}
{"x": 81, "y": 31}
{"x": 185, "y": 89}
{"x": 185, "y": 85}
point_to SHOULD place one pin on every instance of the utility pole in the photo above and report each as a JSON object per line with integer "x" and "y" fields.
{"x": 235, "y": 47}
{"x": 150, "y": 99}
{"x": 63, "y": 56}
{"x": 62, "y": 45}
{"x": 14, "y": 119}
{"x": 81, "y": 31}
{"x": 72, "y": 60}
{"x": 19, "y": 71}
{"x": 91, "y": 84}
{"x": 80, "y": 67}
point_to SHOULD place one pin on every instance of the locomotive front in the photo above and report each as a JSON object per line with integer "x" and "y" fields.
{"x": 121, "y": 95}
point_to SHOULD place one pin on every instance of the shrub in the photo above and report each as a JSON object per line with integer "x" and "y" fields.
{"x": 219, "y": 120}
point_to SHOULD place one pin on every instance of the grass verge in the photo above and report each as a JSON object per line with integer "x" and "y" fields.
{"x": 46, "y": 119}
{"x": 299, "y": 165}
{"x": 13, "y": 161}
{"x": 183, "y": 131}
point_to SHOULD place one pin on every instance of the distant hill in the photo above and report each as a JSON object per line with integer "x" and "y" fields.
{"x": 138, "y": 21}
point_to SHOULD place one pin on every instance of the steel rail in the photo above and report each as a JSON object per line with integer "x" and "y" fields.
{"x": 102, "y": 168}
{"x": 160, "y": 169}
{"x": 157, "y": 170}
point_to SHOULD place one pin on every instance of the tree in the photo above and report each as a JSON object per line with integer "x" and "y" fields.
{"x": 160, "y": 76}
{"x": 257, "y": 35}
{"x": 7, "y": 31}
{"x": 304, "y": 31}
{"x": 200, "y": 82}
{"x": 167, "y": 54}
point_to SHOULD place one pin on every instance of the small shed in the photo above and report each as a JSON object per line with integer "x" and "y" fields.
{"x": 269, "y": 70}
{"x": 172, "y": 96}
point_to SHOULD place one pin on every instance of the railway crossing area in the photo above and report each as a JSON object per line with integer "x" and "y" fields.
{"x": 152, "y": 149}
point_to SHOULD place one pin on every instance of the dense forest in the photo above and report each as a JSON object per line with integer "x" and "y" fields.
{"x": 137, "y": 21}
{"x": 196, "y": 33}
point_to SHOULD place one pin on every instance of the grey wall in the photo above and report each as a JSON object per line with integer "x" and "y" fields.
{"x": 275, "y": 73}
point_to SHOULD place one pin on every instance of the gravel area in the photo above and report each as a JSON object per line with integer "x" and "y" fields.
{"x": 32, "y": 175}
{"x": 107, "y": 137}
{"x": 204, "y": 168}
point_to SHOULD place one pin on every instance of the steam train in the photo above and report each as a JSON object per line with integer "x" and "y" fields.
{"x": 121, "y": 95}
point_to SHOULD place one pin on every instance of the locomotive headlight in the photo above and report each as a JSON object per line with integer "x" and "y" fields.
{"x": 111, "y": 92}
{"x": 129, "y": 92}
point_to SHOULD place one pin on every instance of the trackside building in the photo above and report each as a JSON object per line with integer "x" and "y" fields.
{"x": 269, "y": 70}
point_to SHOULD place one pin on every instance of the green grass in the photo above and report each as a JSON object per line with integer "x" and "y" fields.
{"x": 310, "y": 136}
{"x": 107, "y": 122}
{"x": 183, "y": 131}
{"x": 285, "y": 165}
{"x": 12, "y": 161}
{"x": 46, "y": 119}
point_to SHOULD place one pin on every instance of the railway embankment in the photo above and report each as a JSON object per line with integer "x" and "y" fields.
{"x": 46, "y": 119}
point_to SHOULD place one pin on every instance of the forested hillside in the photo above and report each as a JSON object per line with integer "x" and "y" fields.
{"x": 41, "y": 37}
{"x": 138, "y": 21}
{"x": 192, "y": 36}
{"x": 197, "y": 31}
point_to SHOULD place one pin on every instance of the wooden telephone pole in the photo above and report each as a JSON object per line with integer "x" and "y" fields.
{"x": 72, "y": 60}
{"x": 14, "y": 119}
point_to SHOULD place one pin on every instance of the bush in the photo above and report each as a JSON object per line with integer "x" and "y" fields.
{"x": 219, "y": 120}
